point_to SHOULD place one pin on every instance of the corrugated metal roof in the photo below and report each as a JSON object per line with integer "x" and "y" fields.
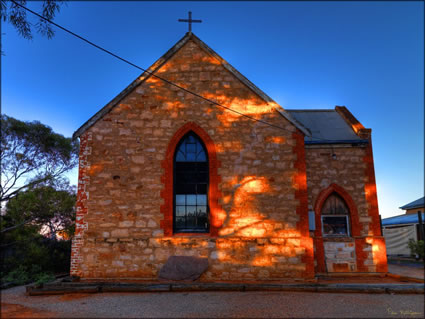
{"x": 402, "y": 219}
{"x": 325, "y": 126}
{"x": 415, "y": 204}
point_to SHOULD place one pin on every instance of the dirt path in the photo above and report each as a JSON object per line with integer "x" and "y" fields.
{"x": 9, "y": 310}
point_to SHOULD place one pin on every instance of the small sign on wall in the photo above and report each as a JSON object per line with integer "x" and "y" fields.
{"x": 311, "y": 220}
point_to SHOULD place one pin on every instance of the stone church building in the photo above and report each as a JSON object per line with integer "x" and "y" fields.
{"x": 261, "y": 192}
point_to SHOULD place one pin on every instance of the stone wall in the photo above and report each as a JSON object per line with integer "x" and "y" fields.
{"x": 346, "y": 170}
{"x": 260, "y": 215}
{"x": 340, "y": 256}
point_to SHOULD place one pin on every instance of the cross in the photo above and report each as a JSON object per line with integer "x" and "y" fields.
{"x": 189, "y": 21}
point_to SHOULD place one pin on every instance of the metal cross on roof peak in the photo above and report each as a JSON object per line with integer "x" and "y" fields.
{"x": 190, "y": 21}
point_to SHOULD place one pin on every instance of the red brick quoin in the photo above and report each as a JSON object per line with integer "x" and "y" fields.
{"x": 214, "y": 179}
{"x": 300, "y": 181}
{"x": 81, "y": 205}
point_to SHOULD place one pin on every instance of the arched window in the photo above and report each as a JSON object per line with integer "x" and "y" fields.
{"x": 335, "y": 216}
{"x": 190, "y": 186}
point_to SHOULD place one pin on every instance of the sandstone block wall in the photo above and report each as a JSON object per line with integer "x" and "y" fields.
{"x": 260, "y": 213}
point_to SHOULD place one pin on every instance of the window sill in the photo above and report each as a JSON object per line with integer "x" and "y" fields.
{"x": 338, "y": 238}
{"x": 192, "y": 234}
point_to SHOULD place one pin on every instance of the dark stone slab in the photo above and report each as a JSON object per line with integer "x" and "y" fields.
{"x": 406, "y": 289}
{"x": 134, "y": 288}
{"x": 280, "y": 287}
{"x": 207, "y": 287}
{"x": 351, "y": 288}
{"x": 183, "y": 268}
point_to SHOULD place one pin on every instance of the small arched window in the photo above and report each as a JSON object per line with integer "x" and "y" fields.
{"x": 335, "y": 216}
{"x": 190, "y": 186}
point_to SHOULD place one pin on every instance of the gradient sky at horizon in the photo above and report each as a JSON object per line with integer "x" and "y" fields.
{"x": 368, "y": 56}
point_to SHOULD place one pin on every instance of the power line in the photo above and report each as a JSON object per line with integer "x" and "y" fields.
{"x": 156, "y": 76}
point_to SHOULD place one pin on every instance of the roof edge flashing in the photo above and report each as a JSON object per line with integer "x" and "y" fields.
{"x": 355, "y": 125}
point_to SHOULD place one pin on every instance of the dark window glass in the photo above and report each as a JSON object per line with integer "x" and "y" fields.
{"x": 335, "y": 225}
{"x": 191, "y": 186}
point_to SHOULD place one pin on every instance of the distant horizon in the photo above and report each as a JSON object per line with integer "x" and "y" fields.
{"x": 367, "y": 56}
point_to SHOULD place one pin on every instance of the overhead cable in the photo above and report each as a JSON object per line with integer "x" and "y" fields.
{"x": 156, "y": 76}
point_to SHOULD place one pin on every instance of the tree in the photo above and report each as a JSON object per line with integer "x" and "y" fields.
{"x": 17, "y": 16}
{"x": 31, "y": 154}
{"x": 48, "y": 207}
{"x": 30, "y": 249}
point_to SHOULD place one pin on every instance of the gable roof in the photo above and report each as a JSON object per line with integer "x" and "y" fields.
{"x": 415, "y": 204}
{"x": 161, "y": 61}
{"x": 326, "y": 127}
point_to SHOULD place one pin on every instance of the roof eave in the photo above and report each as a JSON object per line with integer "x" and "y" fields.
{"x": 252, "y": 86}
{"x": 338, "y": 142}
{"x": 139, "y": 80}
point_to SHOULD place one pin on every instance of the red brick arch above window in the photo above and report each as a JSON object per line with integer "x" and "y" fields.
{"x": 214, "y": 194}
{"x": 321, "y": 198}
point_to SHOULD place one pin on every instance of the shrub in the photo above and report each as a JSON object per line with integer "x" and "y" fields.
{"x": 35, "y": 260}
{"x": 18, "y": 276}
{"x": 417, "y": 248}
{"x": 43, "y": 277}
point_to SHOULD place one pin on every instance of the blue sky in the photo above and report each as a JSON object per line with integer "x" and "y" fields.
{"x": 368, "y": 56}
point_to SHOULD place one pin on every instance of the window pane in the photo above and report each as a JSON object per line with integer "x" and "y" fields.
{"x": 191, "y": 148}
{"x": 180, "y": 222}
{"x": 201, "y": 157}
{"x": 201, "y": 210}
{"x": 335, "y": 225}
{"x": 202, "y": 167}
{"x": 201, "y": 188}
{"x": 191, "y": 157}
{"x": 191, "y": 199}
{"x": 180, "y": 200}
{"x": 180, "y": 156}
{"x": 191, "y": 216}
{"x": 181, "y": 210}
{"x": 201, "y": 214}
{"x": 185, "y": 188}
{"x": 201, "y": 177}
{"x": 201, "y": 200}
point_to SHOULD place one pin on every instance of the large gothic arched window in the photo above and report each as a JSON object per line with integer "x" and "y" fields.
{"x": 190, "y": 186}
{"x": 335, "y": 216}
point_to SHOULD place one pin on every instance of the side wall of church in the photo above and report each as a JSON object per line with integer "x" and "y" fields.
{"x": 349, "y": 173}
{"x": 258, "y": 203}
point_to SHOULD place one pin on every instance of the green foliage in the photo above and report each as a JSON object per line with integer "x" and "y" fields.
{"x": 35, "y": 259}
{"x": 17, "y": 16}
{"x": 51, "y": 211}
{"x": 32, "y": 154}
{"x": 42, "y": 278}
{"x": 417, "y": 248}
{"x": 18, "y": 276}
{"x": 22, "y": 275}
{"x": 42, "y": 208}
{"x": 47, "y": 208}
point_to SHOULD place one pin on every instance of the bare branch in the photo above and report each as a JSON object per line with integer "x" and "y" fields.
{"x": 4, "y": 230}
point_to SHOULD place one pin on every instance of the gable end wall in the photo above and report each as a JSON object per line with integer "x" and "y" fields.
{"x": 262, "y": 206}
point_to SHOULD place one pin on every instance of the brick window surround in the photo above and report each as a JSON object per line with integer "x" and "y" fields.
{"x": 354, "y": 221}
{"x": 167, "y": 180}
{"x": 334, "y": 188}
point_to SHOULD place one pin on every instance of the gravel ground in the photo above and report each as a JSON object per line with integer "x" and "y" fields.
{"x": 222, "y": 304}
